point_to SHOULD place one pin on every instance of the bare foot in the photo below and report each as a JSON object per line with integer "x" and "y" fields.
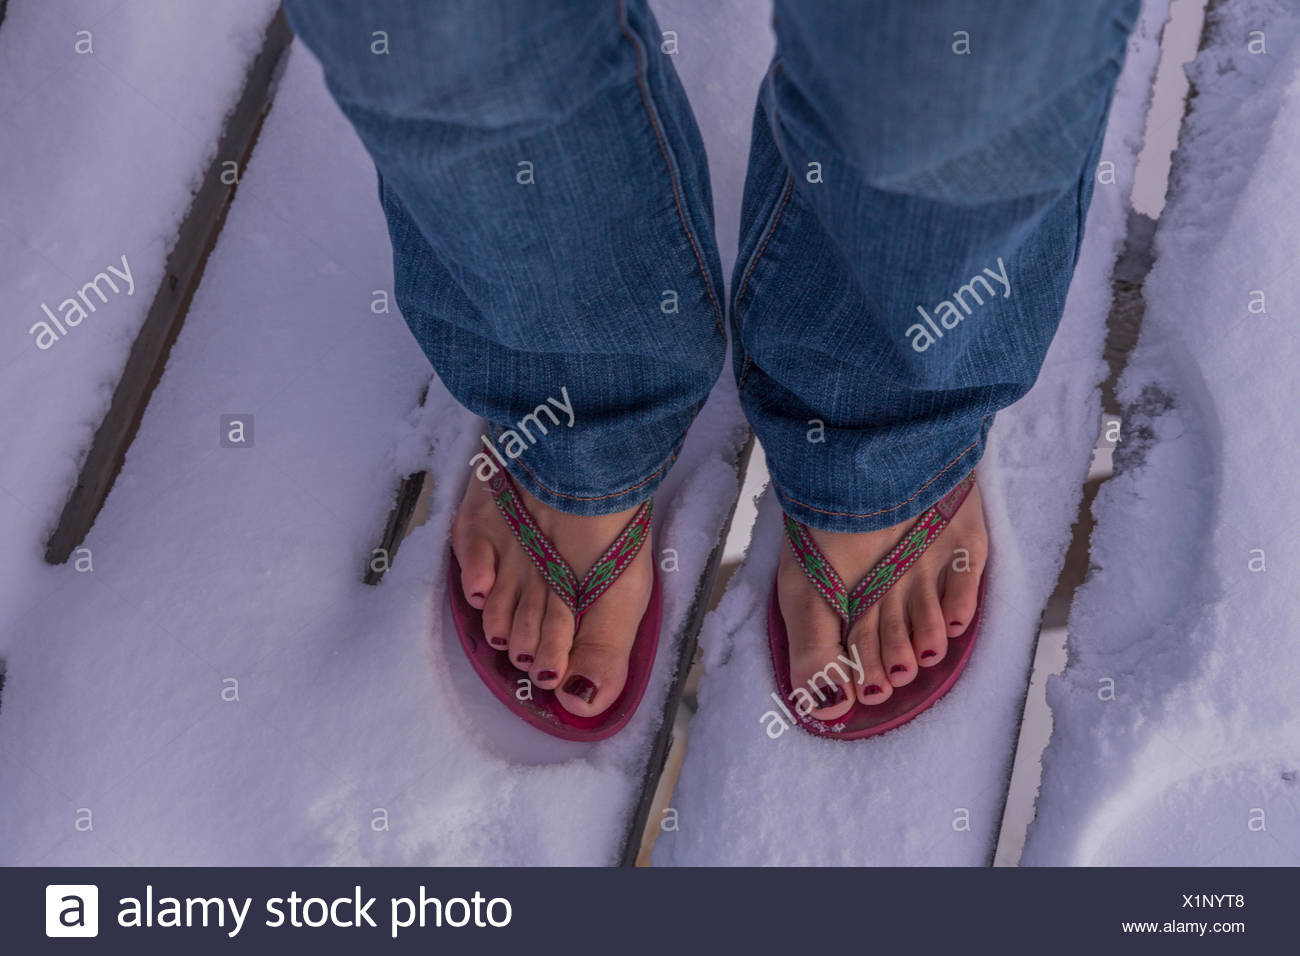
{"x": 524, "y": 618}
{"x": 907, "y": 629}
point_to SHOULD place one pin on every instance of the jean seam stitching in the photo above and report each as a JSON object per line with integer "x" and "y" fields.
{"x": 776, "y": 220}
{"x": 736, "y": 316}
{"x": 744, "y": 282}
{"x": 744, "y": 372}
{"x": 672, "y": 176}
{"x": 851, "y": 514}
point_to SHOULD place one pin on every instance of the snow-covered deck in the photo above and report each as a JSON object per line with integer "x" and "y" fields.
{"x": 208, "y": 681}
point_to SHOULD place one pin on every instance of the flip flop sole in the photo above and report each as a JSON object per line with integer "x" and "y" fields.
{"x": 542, "y": 710}
{"x": 905, "y": 703}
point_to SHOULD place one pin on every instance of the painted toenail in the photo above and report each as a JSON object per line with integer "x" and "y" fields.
{"x": 477, "y": 594}
{"x": 498, "y": 641}
{"x": 898, "y": 668}
{"x": 547, "y": 675}
{"x": 872, "y": 689}
{"x": 580, "y": 687}
{"x": 832, "y": 695}
{"x": 926, "y": 655}
{"x": 525, "y": 658}
{"x": 954, "y": 623}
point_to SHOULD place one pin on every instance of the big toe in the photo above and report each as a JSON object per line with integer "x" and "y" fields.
{"x": 598, "y": 662}
{"x": 596, "y": 675}
{"x": 819, "y": 683}
{"x": 597, "y": 670}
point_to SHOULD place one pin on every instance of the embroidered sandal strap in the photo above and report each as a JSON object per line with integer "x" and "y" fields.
{"x": 851, "y": 605}
{"x": 578, "y": 595}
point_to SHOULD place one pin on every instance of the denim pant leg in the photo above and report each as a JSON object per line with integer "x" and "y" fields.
{"x": 548, "y": 202}
{"x": 914, "y": 206}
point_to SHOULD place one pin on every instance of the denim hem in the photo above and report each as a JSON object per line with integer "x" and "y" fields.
{"x": 588, "y": 505}
{"x": 858, "y": 518}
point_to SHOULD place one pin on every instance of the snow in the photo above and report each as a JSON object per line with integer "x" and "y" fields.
{"x": 79, "y": 192}
{"x": 1177, "y": 736}
{"x": 931, "y": 792}
{"x": 359, "y": 733}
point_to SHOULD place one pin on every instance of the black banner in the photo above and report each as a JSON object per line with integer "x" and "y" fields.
{"x": 267, "y": 910}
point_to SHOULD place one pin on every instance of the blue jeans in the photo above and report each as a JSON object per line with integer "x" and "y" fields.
{"x": 914, "y": 204}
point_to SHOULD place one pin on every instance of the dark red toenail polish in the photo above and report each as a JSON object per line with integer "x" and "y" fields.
{"x": 897, "y": 668}
{"x": 498, "y": 641}
{"x": 528, "y": 658}
{"x": 926, "y": 655}
{"x": 581, "y": 688}
{"x": 477, "y": 594}
{"x": 832, "y": 695}
{"x": 547, "y": 675}
{"x": 954, "y": 623}
{"x": 871, "y": 689}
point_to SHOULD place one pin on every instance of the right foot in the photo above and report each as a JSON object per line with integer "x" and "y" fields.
{"x": 908, "y": 629}
{"x": 524, "y": 618}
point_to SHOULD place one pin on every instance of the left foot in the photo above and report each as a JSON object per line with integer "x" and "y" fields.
{"x": 585, "y": 664}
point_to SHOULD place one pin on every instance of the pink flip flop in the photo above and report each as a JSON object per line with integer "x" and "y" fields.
{"x": 539, "y": 706}
{"x": 931, "y": 683}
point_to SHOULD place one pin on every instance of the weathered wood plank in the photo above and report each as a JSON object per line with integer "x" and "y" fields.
{"x": 185, "y": 263}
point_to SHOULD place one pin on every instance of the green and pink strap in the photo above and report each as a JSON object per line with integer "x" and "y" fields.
{"x": 541, "y": 550}
{"x": 851, "y": 605}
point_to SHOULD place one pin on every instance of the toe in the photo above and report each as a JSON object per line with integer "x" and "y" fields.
{"x": 961, "y": 585}
{"x": 895, "y": 643}
{"x": 596, "y": 674}
{"x": 598, "y": 660}
{"x": 526, "y": 631}
{"x": 821, "y": 680}
{"x": 499, "y": 614}
{"x": 477, "y": 566}
{"x": 864, "y": 646}
{"x": 555, "y": 637}
{"x": 929, "y": 629}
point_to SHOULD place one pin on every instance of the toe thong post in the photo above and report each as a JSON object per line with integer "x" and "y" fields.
{"x": 888, "y": 571}
{"x": 555, "y": 570}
